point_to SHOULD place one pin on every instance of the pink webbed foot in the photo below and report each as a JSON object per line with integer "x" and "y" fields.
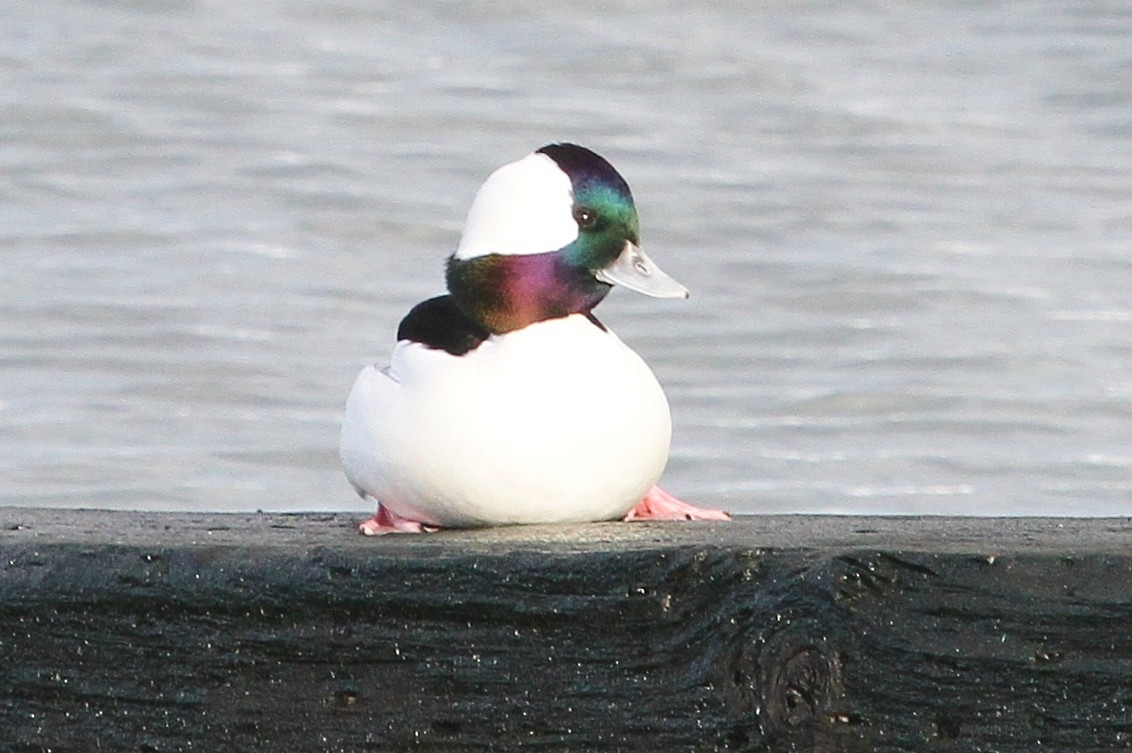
{"x": 386, "y": 521}
{"x": 660, "y": 505}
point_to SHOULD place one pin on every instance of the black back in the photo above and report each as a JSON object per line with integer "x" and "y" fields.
{"x": 439, "y": 324}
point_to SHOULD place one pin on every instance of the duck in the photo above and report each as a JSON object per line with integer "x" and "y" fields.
{"x": 506, "y": 401}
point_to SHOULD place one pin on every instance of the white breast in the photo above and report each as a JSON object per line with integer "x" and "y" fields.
{"x": 556, "y": 422}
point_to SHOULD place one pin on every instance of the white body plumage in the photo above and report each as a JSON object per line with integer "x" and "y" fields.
{"x": 556, "y": 422}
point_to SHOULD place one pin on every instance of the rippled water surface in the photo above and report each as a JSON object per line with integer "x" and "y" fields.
{"x": 907, "y": 229}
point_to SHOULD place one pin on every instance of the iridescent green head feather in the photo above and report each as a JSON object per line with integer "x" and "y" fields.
{"x": 603, "y": 206}
{"x": 548, "y": 236}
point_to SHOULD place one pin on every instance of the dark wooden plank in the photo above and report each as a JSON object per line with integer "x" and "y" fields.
{"x": 151, "y": 632}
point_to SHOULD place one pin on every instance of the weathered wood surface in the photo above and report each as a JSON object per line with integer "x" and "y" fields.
{"x": 161, "y": 632}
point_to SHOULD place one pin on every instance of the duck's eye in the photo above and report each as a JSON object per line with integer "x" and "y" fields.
{"x": 585, "y": 217}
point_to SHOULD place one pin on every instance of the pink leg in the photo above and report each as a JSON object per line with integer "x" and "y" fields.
{"x": 386, "y": 521}
{"x": 660, "y": 505}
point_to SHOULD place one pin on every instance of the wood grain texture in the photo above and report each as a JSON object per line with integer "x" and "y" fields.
{"x": 168, "y": 632}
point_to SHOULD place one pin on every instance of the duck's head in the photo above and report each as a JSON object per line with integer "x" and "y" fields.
{"x": 549, "y": 236}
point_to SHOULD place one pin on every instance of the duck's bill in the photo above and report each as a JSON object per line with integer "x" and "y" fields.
{"x": 635, "y": 271}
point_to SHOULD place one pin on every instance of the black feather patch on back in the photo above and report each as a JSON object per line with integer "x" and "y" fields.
{"x": 438, "y": 323}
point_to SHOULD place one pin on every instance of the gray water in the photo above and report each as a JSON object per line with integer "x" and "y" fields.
{"x": 907, "y": 229}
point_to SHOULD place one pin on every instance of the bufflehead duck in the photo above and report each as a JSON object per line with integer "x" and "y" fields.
{"x": 506, "y": 401}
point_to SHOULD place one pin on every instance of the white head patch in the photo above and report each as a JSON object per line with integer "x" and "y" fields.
{"x": 525, "y": 207}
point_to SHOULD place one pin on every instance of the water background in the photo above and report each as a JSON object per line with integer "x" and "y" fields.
{"x": 907, "y": 228}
